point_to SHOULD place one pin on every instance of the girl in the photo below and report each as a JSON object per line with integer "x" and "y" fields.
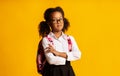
{"x": 59, "y": 48}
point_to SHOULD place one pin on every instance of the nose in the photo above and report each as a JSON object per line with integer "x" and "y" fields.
{"x": 58, "y": 20}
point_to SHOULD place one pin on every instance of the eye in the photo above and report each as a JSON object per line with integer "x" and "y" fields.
{"x": 53, "y": 20}
{"x": 61, "y": 19}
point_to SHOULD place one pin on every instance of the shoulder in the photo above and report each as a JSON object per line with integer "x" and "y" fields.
{"x": 44, "y": 39}
{"x": 68, "y": 36}
{"x": 71, "y": 37}
{"x": 47, "y": 38}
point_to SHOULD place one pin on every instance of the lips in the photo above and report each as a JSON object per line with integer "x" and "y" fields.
{"x": 58, "y": 25}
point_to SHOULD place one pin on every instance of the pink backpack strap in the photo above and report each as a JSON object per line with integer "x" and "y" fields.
{"x": 50, "y": 40}
{"x": 69, "y": 43}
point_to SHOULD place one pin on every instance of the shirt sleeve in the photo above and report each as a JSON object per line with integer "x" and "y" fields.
{"x": 52, "y": 59}
{"x": 75, "y": 54}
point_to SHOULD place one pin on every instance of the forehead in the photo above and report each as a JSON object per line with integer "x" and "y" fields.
{"x": 56, "y": 14}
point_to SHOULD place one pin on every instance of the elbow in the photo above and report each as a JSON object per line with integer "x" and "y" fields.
{"x": 79, "y": 55}
{"x": 76, "y": 58}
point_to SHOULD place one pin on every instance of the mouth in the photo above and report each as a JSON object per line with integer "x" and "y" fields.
{"x": 58, "y": 25}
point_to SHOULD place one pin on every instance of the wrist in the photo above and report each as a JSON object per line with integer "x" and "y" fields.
{"x": 56, "y": 53}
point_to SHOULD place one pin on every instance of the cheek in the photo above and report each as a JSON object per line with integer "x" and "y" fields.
{"x": 62, "y": 25}
{"x": 53, "y": 26}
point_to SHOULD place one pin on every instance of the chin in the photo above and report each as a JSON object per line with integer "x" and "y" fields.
{"x": 58, "y": 30}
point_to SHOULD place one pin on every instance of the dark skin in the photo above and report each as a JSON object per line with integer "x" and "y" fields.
{"x": 56, "y": 24}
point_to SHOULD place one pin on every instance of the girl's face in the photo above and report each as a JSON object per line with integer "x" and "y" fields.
{"x": 56, "y": 22}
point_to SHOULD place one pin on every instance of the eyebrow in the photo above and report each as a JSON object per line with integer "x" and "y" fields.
{"x": 58, "y": 17}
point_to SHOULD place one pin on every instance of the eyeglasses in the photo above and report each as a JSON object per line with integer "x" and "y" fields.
{"x": 56, "y": 20}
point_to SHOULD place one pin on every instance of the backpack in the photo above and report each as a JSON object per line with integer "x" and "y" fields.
{"x": 41, "y": 60}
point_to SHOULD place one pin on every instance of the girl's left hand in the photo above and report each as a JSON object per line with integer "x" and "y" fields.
{"x": 50, "y": 49}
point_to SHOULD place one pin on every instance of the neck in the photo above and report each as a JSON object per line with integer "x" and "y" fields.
{"x": 57, "y": 33}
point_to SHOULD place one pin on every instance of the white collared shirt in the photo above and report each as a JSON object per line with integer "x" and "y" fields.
{"x": 61, "y": 45}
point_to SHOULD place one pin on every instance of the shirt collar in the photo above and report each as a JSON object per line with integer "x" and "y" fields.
{"x": 53, "y": 35}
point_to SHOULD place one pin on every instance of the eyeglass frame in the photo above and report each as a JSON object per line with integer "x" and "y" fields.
{"x": 55, "y": 21}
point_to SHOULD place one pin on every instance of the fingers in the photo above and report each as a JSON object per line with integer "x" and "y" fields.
{"x": 49, "y": 48}
{"x": 47, "y": 51}
{"x": 50, "y": 45}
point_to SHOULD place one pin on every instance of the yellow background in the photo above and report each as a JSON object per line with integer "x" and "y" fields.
{"x": 95, "y": 24}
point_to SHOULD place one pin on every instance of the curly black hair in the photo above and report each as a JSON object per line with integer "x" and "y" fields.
{"x": 44, "y": 28}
